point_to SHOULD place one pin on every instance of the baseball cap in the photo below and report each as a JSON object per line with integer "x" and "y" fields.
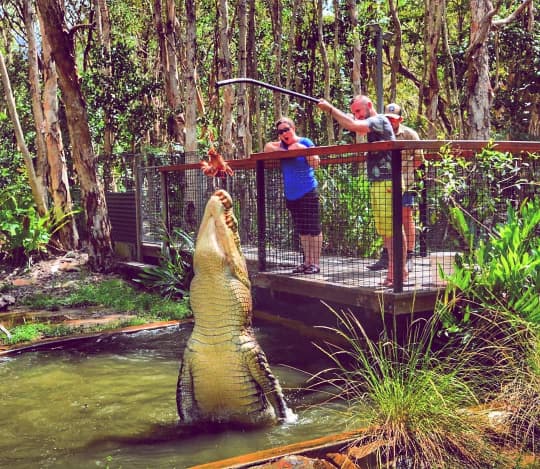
{"x": 392, "y": 110}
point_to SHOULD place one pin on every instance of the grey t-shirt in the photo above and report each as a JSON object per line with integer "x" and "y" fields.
{"x": 379, "y": 163}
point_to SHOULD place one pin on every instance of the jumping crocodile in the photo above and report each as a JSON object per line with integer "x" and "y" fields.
{"x": 224, "y": 375}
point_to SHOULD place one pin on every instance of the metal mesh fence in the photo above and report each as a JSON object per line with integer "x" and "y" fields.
{"x": 480, "y": 186}
{"x": 189, "y": 190}
{"x": 151, "y": 198}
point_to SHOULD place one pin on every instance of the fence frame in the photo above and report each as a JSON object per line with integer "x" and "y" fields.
{"x": 259, "y": 162}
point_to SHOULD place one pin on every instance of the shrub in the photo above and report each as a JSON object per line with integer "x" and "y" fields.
{"x": 409, "y": 398}
{"x": 172, "y": 277}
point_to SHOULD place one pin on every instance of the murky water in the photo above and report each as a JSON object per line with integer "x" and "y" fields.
{"x": 111, "y": 403}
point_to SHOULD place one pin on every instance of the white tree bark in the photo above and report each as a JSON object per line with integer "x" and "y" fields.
{"x": 38, "y": 191}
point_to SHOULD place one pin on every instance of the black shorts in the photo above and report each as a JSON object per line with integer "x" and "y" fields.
{"x": 306, "y": 213}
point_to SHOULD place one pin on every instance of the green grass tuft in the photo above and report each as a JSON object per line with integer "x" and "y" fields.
{"x": 410, "y": 398}
{"x": 117, "y": 295}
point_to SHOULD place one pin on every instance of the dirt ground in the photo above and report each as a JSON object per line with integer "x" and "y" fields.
{"x": 46, "y": 275}
{"x": 54, "y": 276}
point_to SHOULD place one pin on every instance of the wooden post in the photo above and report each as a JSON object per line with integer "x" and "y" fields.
{"x": 261, "y": 217}
{"x": 397, "y": 221}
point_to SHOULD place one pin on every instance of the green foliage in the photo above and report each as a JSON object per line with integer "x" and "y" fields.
{"x": 118, "y": 88}
{"x": 31, "y": 332}
{"x": 24, "y": 234}
{"x": 472, "y": 194}
{"x": 409, "y": 398}
{"x": 522, "y": 392}
{"x": 514, "y": 102}
{"x": 117, "y": 295}
{"x": 347, "y": 207}
{"x": 172, "y": 277}
{"x": 12, "y": 171}
{"x": 502, "y": 272}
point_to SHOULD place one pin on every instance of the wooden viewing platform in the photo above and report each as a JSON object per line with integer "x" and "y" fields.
{"x": 174, "y": 196}
{"x": 350, "y": 283}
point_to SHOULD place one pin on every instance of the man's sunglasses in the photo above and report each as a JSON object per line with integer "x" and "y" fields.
{"x": 282, "y": 131}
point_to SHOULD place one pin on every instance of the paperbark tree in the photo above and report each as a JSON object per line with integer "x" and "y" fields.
{"x": 396, "y": 56}
{"x": 326, "y": 68}
{"x": 243, "y": 141}
{"x": 167, "y": 47}
{"x": 479, "y": 93}
{"x": 429, "y": 90}
{"x": 276, "y": 8}
{"x": 61, "y": 40}
{"x": 59, "y": 187}
{"x": 38, "y": 191}
{"x": 224, "y": 72}
{"x": 190, "y": 85}
{"x": 103, "y": 27}
{"x": 41, "y": 165}
{"x": 252, "y": 61}
{"x": 356, "y": 73}
{"x": 289, "y": 72}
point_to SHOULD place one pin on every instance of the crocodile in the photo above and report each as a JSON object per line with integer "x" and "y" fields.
{"x": 224, "y": 374}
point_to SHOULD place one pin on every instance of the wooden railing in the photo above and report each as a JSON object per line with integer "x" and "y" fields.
{"x": 261, "y": 163}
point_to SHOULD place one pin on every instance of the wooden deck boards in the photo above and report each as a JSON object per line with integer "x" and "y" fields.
{"x": 348, "y": 281}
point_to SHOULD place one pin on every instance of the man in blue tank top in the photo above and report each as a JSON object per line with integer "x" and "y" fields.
{"x": 302, "y": 197}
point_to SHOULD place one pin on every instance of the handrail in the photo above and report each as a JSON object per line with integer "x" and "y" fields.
{"x": 468, "y": 145}
{"x": 358, "y": 152}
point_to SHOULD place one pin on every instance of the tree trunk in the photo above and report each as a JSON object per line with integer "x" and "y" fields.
{"x": 243, "y": 142}
{"x": 277, "y": 33}
{"x": 173, "y": 91}
{"x": 103, "y": 26}
{"x": 429, "y": 91}
{"x": 100, "y": 252}
{"x": 356, "y": 73}
{"x": 38, "y": 191}
{"x": 479, "y": 92}
{"x": 396, "y": 56}
{"x": 190, "y": 85}
{"x": 41, "y": 166}
{"x": 326, "y": 69}
{"x": 167, "y": 48}
{"x": 68, "y": 235}
{"x": 356, "y": 77}
{"x": 456, "y": 116}
{"x": 289, "y": 72}
{"x": 224, "y": 72}
{"x": 254, "y": 100}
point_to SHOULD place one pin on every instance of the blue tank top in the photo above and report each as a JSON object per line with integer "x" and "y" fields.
{"x": 298, "y": 175}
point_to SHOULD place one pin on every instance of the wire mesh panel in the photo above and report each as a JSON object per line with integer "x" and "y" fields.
{"x": 151, "y": 203}
{"x": 459, "y": 196}
{"x": 151, "y": 195}
{"x": 347, "y": 229}
{"x": 464, "y": 197}
{"x": 188, "y": 192}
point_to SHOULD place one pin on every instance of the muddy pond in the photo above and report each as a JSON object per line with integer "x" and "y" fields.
{"x": 111, "y": 403}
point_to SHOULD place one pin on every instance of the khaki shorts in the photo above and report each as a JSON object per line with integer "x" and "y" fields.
{"x": 381, "y": 204}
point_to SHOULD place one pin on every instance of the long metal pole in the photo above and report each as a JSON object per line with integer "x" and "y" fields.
{"x": 267, "y": 85}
